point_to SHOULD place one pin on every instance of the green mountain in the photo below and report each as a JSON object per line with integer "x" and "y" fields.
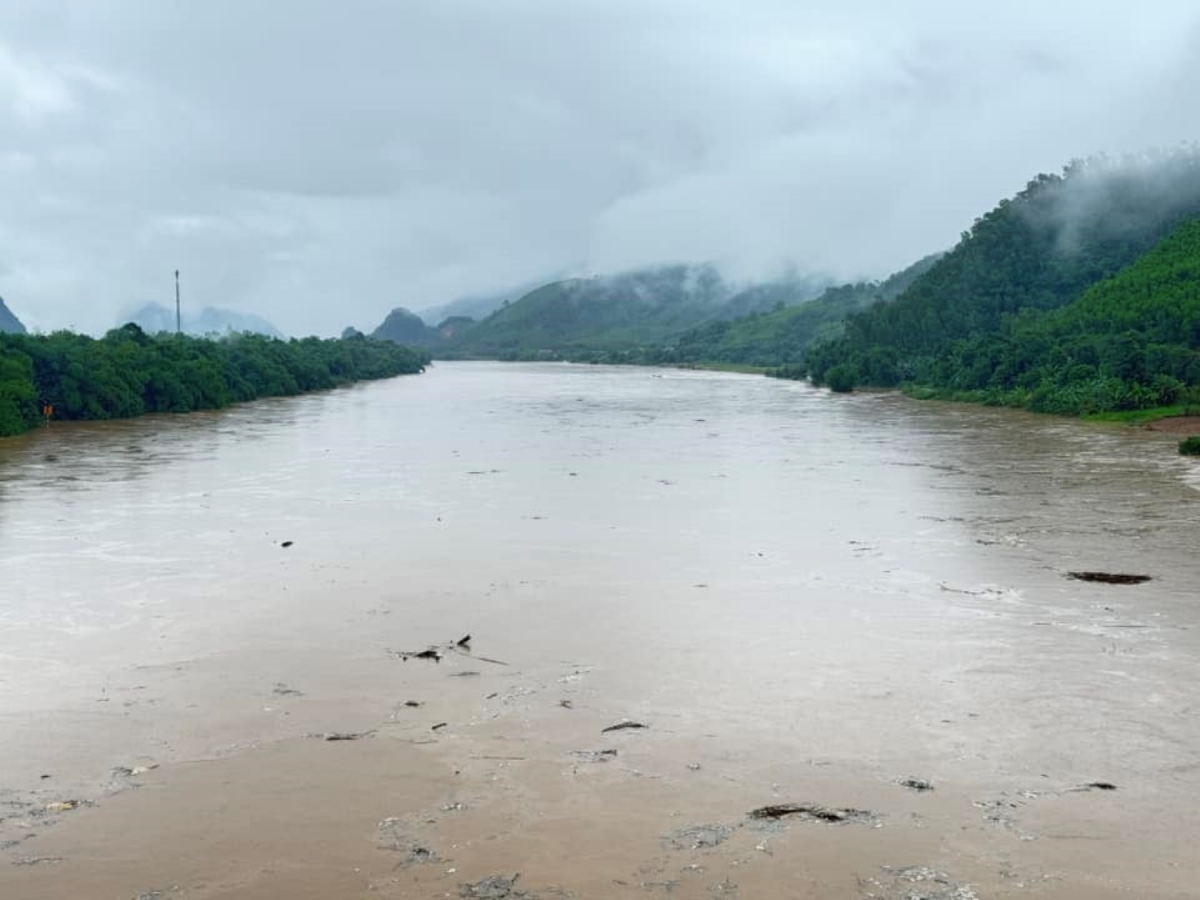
{"x": 1129, "y": 342}
{"x": 774, "y": 295}
{"x": 780, "y": 337}
{"x": 9, "y": 323}
{"x": 582, "y": 316}
{"x": 1036, "y": 252}
{"x": 477, "y": 306}
{"x": 404, "y": 327}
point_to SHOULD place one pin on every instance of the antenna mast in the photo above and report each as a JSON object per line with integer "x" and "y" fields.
{"x": 178, "y": 318}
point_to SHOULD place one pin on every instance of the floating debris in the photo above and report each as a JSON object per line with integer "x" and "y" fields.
{"x": 131, "y": 771}
{"x": 594, "y": 756}
{"x": 66, "y": 805}
{"x": 461, "y": 646}
{"x": 698, "y": 837}
{"x": 286, "y": 544}
{"x": 494, "y": 662}
{"x": 282, "y": 690}
{"x": 813, "y": 813}
{"x": 626, "y": 725}
{"x": 1109, "y": 577}
{"x": 566, "y": 704}
{"x": 468, "y": 674}
{"x": 38, "y": 861}
{"x": 406, "y": 655}
{"x": 726, "y": 887}
{"x": 497, "y": 887}
{"x": 920, "y": 785}
{"x": 439, "y": 726}
{"x": 1098, "y": 786}
{"x": 501, "y": 758}
{"x": 413, "y": 704}
{"x": 898, "y": 884}
{"x": 395, "y": 834}
{"x": 344, "y": 735}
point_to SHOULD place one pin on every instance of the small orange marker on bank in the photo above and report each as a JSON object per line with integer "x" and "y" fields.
{"x": 47, "y": 412}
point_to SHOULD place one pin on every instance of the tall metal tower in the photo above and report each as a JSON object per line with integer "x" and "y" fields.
{"x": 178, "y": 317}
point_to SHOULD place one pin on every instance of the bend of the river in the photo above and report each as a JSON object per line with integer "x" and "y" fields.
{"x": 807, "y": 599}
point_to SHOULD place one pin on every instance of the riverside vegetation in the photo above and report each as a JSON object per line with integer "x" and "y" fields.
{"x": 128, "y": 372}
{"x": 1079, "y": 296}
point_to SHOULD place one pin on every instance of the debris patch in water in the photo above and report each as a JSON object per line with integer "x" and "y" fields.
{"x": 698, "y": 837}
{"x": 1109, "y": 577}
{"x": 812, "y": 812}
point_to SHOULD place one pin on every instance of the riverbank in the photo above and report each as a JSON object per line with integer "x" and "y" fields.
{"x": 1181, "y": 419}
{"x": 1182, "y": 425}
{"x": 735, "y": 368}
{"x": 128, "y": 373}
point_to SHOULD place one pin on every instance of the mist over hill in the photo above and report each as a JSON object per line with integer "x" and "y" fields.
{"x": 154, "y": 318}
{"x": 1075, "y": 295}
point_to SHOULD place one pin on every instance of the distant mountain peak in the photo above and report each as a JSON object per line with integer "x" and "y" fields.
{"x": 154, "y": 318}
{"x": 403, "y": 326}
{"x": 9, "y": 323}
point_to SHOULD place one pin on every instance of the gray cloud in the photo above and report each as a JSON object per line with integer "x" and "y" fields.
{"x": 319, "y": 162}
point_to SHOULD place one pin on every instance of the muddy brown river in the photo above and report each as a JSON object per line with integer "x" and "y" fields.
{"x": 835, "y": 603}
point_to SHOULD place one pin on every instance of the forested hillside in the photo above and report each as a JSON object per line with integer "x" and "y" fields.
{"x": 1130, "y": 342}
{"x": 128, "y": 373}
{"x": 774, "y": 295}
{"x": 478, "y": 306}
{"x": 781, "y": 336}
{"x": 605, "y": 313}
{"x": 1039, "y": 251}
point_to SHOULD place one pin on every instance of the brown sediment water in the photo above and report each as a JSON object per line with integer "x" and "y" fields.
{"x": 806, "y": 599}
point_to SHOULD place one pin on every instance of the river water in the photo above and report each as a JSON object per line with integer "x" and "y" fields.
{"x": 807, "y": 599}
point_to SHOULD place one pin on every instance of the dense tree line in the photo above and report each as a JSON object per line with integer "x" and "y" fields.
{"x": 128, "y": 372}
{"x": 600, "y": 316}
{"x": 781, "y": 336}
{"x": 669, "y": 316}
{"x": 1130, "y": 342}
{"x": 976, "y": 321}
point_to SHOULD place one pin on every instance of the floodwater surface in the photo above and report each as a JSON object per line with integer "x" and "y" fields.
{"x": 858, "y": 605}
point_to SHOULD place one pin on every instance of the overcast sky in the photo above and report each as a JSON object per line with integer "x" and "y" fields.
{"x": 319, "y": 162}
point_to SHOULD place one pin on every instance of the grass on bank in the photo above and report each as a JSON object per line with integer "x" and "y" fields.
{"x": 1142, "y": 416}
{"x": 738, "y": 368}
